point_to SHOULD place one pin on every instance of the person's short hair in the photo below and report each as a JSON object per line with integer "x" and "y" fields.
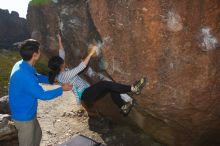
{"x": 27, "y": 48}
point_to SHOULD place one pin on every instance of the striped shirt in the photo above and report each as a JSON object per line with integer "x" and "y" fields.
{"x": 79, "y": 85}
{"x": 71, "y": 76}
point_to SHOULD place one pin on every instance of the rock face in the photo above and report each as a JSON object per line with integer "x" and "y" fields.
{"x": 4, "y": 105}
{"x": 45, "y": 20}
{"x": 13, "y": 28}
{"x": 7, "y": 128}
{"x": 174, "y": 43}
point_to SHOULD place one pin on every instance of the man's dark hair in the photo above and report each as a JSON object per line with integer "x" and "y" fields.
{"x": 27, "y": 48}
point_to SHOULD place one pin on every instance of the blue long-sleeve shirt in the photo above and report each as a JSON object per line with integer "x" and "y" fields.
{"x": 24, "y": 91}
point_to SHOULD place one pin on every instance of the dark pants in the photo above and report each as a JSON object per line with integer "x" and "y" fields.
{"x": 100, "y": 89}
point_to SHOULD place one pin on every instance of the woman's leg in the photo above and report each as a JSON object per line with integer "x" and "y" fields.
{"x": 116, "y": 97}
{"x": 98, "y": 90}
{"x": 114, "y": 87}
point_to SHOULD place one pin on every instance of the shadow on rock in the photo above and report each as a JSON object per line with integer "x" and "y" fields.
{"x": 119, "y": 135}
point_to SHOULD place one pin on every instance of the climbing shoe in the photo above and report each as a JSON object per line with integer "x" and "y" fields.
{"x": 138, "y": 86}
{"x": 126, "y": 108}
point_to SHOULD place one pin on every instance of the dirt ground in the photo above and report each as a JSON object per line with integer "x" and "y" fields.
{"x": 61, "y": 118}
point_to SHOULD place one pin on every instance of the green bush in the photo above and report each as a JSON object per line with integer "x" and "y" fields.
{"x": 39, "y": 2}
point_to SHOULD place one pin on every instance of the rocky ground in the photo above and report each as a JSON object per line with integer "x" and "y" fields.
{"x": 61, "y": 118}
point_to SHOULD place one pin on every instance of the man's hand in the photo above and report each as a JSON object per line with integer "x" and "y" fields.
{"x": 67, "y": 87}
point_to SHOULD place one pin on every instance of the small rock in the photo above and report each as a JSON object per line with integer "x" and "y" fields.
{"x": 48, "y": 132}
{"x": 7, "y": 128}
{"x": 64, "y": 114}
{"x": 4, "y": 105}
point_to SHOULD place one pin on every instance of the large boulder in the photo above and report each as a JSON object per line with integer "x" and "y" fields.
{"x": 7, "y": 128}
{"x": 71, "y": 18}
{"x": 13, "y": 29}
{"x": 173, "y": 43}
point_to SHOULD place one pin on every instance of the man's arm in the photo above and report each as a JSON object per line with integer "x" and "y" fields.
{"x": 36, "y": 91}
{"x": 42, "y": 78}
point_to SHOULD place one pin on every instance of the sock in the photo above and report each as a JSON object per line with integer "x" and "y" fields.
{"x": 133, "y": 89}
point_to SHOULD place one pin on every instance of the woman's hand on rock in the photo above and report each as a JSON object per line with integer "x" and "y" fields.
{"x": 92, "y": 50}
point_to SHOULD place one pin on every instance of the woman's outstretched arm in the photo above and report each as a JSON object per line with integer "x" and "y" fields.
{"x": 92, "y": 51}
{"x": 76, "y": 70}
{"x": 61, "y": 49}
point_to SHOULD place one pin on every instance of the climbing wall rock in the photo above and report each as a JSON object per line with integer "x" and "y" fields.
{"x": 13, "y": 29}
{"x": 7, "y": 128}
{"x": 174, "y": 43}
{"x": 71, "y": 18}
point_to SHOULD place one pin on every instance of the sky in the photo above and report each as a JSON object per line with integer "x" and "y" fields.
{"x": 15, "y": 5}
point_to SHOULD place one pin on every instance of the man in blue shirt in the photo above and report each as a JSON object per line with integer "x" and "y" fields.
{"x": 24, "y": 92}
